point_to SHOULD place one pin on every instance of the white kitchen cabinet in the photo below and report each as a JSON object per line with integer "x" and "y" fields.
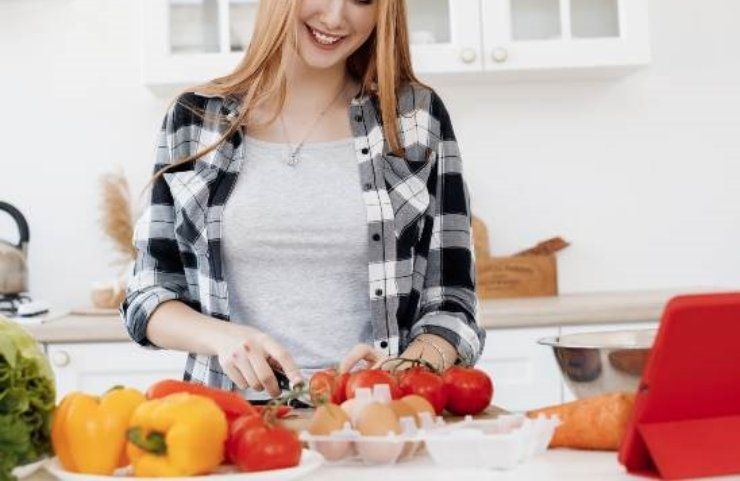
{"x": 96, "y": 367}
{"x": 191, "y": 41}
{"x": 524, "y": 373}
{"x": 445, "y": 35}
{"x": 567, "y": 394}
{"x": 522, "y": 35}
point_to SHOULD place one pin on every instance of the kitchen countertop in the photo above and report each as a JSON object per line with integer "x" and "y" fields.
{"x": 556, "y": 464}
{"x": 565, "y": 309}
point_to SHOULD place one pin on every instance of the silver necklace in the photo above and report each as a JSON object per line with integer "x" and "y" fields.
{"x": 293, "y": 152}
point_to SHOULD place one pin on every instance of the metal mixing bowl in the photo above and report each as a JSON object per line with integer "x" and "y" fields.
{"x": 595, "y": 363}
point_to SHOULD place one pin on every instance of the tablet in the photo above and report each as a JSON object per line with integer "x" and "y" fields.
{"x": 686, "y": 420}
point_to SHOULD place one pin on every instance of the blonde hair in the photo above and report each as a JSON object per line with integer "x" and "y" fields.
{"x": 382, "y": 65}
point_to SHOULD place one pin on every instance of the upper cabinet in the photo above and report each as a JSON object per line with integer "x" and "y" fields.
{"x": 445, "y": 35}
{"x": 189, "y": 41}
{"x": 563, "y": 34}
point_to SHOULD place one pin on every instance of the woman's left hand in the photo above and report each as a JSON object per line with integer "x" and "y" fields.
{"x": 362, "y": 353}
{"x": 442, "y": 356}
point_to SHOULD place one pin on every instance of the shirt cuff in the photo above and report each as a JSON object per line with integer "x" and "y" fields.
{"x": 454, "y": 328}
{"x": 137, "y": 310}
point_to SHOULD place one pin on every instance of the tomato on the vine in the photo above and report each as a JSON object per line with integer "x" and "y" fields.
{"x": 421, "y": 381}
{"x": 327, "y": 385}
{"x": 369, "y": 378}
{"x": 469, "y": 390}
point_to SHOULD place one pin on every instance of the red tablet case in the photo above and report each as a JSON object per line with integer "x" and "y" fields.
{"x": 686, "y": 421}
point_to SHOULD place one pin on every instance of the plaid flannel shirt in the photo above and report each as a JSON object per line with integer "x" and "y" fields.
{"x": 421, "y": 264}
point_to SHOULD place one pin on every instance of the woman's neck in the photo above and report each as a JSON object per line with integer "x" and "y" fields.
{"x": 310, "y": 90}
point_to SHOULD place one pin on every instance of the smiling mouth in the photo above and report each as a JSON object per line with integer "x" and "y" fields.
{"x": 323, "y": 38}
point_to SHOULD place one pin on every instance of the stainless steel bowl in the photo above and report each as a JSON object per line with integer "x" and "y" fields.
{"x": 595, "y": 363}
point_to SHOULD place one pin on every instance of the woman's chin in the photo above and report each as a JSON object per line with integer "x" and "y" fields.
{"x": 321, "y": 62}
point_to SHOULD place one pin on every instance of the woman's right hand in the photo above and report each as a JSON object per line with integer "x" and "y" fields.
{"x": 245, "y": 354}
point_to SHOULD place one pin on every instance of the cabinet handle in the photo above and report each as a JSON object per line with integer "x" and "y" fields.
{"x": 60, "y": 358}
{"x": 499, "y": 55}
{"x": 468, "y": 55}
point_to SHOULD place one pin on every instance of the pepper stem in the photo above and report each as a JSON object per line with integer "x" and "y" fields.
{"x": 153, "y": 443}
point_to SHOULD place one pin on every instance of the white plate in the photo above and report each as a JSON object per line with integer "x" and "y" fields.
{"x": 26, "y": 470}
{"x": 310, "y": 461}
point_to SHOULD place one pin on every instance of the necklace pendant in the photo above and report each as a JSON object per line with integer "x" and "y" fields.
{"x": 293, "y": 159}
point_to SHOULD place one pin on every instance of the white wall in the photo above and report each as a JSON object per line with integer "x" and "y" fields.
{"x": 641, "y": 174}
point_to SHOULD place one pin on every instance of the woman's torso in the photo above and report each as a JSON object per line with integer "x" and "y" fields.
{"x": 295, "y": 249}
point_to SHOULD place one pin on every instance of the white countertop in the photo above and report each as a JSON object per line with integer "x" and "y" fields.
{"x": 558, "y": 464}
{"x": 565, "y": 309}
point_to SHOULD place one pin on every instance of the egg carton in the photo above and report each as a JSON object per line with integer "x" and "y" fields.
{"x": 500, "y": 443}
{"x": 349, "y": 445}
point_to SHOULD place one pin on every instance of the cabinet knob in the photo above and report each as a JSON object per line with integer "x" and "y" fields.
{"x": 499, "y": 55}
{"x": 60, "y": 358}
{"x": 468, "y": 55}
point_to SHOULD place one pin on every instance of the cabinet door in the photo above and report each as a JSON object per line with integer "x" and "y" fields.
{"x": 444, "y": 35}
{"x": 524, "y": 373}
{"x": 567, "y": 394}
{"x": 555, "y": 34}
{"x": 191, "y": 41}
{"x": 96, "y": 367}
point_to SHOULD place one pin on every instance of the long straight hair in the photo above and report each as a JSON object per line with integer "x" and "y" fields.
{"x": 382, "y": 65}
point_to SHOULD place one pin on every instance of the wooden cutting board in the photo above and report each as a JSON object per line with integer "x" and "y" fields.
{"x": 301, "y": 417}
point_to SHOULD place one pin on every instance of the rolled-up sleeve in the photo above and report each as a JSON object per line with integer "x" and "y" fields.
{"x": 158, "y": 274}
{"x": 449, "y": 306}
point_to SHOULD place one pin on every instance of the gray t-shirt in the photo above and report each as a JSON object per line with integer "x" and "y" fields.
{"x": 295, "y": 250}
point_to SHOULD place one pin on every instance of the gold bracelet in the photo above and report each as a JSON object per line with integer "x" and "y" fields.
{"x": 436, "y": 348}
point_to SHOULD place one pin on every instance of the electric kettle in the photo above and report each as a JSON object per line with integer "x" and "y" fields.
{"x": 13, "y": 267}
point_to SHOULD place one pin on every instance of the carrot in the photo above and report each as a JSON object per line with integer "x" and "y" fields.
{"x": 597, "y": 422}
{"x": 231, "y": 403}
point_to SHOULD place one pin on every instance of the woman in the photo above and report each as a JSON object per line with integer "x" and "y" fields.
{"x": 321, "y": 182}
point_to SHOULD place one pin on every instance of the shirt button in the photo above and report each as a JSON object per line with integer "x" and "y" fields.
{"x": 365, "y": 150}
{"x": 378, "y": 292}
{"x": 368, "y": 186}
{"x": 358, "y": 118}
{"x": 383, "y": 344}
{"x": 376, "y": 237}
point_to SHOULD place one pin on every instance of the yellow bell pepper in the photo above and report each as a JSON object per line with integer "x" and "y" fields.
{"x": 88, "y": 433}
{"x": 178, "y": 435}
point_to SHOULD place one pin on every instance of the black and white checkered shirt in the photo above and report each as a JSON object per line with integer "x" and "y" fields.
{"x": 420, "y": 256}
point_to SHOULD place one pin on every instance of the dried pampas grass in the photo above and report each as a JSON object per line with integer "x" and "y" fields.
{"x": 116, "y": 216}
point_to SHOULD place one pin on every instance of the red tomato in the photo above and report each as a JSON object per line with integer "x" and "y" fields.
{"x": 263, "y": 448}
{"x": 281, "y": 411}
{"x": 369, "y": 378}
{"x": 329, "y": 386}
{"x": 469, "y": 390}
{"x": 236, "y": 428}
{"x": 425, "y": 383}
{"x": 340, "y": 388}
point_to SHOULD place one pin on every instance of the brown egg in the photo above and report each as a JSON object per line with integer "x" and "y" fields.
{"x": 328, "y": 418}
{"x": 377, "y": 419}
{"x": 403, "y": 409}
{"x": 418, "y": 404}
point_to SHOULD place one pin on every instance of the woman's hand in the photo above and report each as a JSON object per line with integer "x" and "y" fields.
{"x": 361, "y": 353}
{"x": 428, "y": 347}
{"x": 246, "y": 354}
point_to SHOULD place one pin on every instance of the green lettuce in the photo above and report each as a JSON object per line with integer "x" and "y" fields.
{"x": 27, "y": 395}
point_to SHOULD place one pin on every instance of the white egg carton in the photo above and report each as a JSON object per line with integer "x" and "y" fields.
{"x": 500, "y": 443}
{"x": 349, "y": 445}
